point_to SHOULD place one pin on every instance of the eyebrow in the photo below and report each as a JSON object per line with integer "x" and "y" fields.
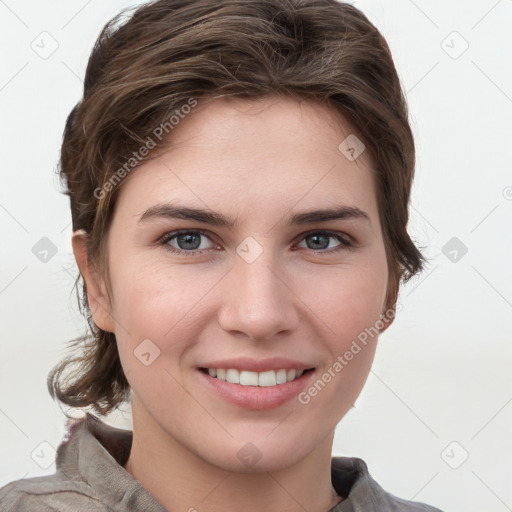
{"x": 172, "y": 211}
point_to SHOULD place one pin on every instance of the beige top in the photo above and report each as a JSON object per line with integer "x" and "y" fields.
{"x": 90, "y": 477}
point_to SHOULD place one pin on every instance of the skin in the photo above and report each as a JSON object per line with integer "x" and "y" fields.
{"x": 257, "y": 162}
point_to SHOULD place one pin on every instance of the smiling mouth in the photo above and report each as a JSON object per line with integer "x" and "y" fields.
{"x": 257, "y": 379}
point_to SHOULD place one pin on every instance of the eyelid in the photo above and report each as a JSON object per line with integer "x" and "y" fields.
{"x": 167, "y": 237}
{"x": 330, "y": 232}
{"x": 346, "y": 241}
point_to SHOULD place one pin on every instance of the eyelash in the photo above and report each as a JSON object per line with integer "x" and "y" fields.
{"x": 345, "y": 243}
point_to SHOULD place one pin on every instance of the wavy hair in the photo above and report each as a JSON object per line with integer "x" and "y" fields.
{"x": 146, "y": 66}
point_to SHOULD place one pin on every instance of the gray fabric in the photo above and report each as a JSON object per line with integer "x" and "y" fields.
{"x": 90, "y": 477}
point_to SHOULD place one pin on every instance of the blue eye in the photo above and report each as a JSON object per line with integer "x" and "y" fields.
{"x": 189, "y": 242}
{"x": 322, "y": 238}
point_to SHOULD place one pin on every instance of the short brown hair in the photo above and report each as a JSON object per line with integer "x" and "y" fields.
{"x": 146, "y": 69}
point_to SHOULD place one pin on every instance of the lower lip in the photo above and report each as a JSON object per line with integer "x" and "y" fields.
{"x": 257, "y": 397}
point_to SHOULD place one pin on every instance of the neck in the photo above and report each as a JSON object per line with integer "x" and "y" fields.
{"x": 181, "y": 480}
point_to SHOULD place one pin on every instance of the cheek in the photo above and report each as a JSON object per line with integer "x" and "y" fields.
{"x": 155, "y": 298}
{"x": 155, "y": 293}
{"x": 351, "y": 299}
{"x": 350, "y": 305}
{"x": 171, "y": 304}
{"x": 161, "y": 303}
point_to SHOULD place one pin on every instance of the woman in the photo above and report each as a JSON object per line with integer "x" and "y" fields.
{"x": 239, "y": 176}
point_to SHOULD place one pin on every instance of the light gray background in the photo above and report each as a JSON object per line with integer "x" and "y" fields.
{"x": 440, "y": 389}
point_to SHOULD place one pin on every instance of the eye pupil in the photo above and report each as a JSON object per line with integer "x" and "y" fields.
{"x": 316, "y": 237}
{"x": 190, "y": 242}
{"x": 188, "y": 238}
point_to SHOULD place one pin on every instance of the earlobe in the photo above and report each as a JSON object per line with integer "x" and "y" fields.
{"x": 388, "y": 314}
{"x": 387, "y": 318}
{"x": 97, "y": 297}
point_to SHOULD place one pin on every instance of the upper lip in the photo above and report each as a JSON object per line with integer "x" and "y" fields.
{"x": 253, "y": 365}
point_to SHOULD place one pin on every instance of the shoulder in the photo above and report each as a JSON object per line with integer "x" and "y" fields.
{"x": 64, "y": 491}
{"x": 365, "y": 494}
{"x": 50, "y": 493}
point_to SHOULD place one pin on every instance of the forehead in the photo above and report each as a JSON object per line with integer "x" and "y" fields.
{"x": 255, "y": 155}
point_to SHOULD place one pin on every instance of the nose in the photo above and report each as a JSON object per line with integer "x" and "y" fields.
{"x": 258, "y": 299}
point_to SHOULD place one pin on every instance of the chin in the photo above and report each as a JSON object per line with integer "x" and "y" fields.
{"x": 261, "y": 456}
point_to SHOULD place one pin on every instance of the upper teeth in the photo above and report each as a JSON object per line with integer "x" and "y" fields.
{"x": 245, "y": 378}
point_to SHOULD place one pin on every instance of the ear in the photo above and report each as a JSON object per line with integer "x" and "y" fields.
{"x": 389, "y": 311}
{"x": 388, "y": 317}
{"x": 97, "y": 297}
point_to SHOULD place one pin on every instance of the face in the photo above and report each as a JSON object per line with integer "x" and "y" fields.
{"x": 256, "y": 284}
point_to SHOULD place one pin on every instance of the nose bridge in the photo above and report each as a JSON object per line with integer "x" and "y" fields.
{"x": 258, "y": 279}
{"x": 259, "y": 303}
